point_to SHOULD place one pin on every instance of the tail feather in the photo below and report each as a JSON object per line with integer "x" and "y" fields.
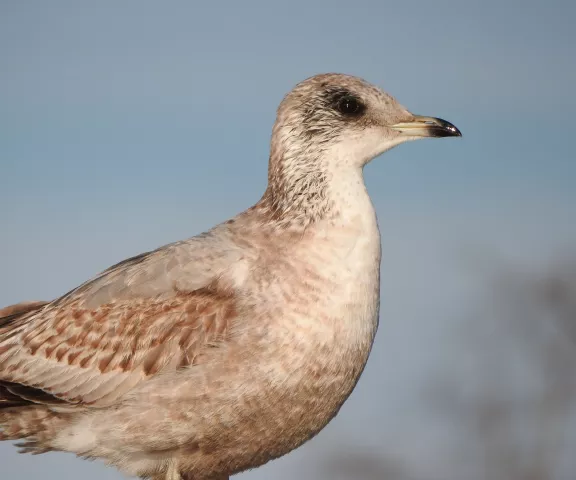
{"x": 35, "y": 425}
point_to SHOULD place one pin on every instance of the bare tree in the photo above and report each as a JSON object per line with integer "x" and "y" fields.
{"x": 520, "y": 427}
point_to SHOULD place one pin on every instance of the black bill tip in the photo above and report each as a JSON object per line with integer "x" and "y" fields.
{"x": 442, "y": 128}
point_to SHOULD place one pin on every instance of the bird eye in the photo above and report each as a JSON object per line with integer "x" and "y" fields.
{"x": 349, "y": 105}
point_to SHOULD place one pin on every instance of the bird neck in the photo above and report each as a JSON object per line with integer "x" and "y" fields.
{"x": 311, "y": 186}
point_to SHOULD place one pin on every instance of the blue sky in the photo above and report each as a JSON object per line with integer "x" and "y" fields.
{"x": 124, "y": 126}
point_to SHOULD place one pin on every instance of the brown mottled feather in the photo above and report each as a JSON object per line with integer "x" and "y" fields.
{"x": 94, "y": 356}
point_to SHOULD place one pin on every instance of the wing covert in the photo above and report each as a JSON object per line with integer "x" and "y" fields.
{"x": 94, "y": 356}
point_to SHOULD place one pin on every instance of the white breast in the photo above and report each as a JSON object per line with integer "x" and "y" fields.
{"x": 325, "y": 290}
{"x": 352, "y": 245}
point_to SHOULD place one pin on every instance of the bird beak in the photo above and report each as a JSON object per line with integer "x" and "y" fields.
{"x": 426, "y": 127}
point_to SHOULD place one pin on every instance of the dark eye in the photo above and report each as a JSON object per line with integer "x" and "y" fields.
{"x": 349, "y": 105}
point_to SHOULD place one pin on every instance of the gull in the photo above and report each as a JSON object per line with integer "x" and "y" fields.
{"x": 215, "y": 354}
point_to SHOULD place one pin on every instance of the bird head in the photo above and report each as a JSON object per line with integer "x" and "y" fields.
{"x": 348, "y": 120}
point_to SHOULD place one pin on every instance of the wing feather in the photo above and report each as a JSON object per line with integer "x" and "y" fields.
{"x": 93, "y": 356}
{"x": 149, "y": 314}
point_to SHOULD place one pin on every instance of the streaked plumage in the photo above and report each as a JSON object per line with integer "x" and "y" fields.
{"x": 218, "y": 353}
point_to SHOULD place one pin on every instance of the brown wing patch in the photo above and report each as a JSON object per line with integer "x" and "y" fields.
{"x": 93, "y": 357}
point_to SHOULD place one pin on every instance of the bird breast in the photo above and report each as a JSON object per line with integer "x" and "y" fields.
{"x": 315, "y": 322}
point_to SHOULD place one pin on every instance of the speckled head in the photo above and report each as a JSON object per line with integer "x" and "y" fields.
{"x": 327, "y": 128}
{"x": 336, "y": 112}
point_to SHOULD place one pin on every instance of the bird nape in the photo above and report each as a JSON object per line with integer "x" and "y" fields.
{"x": 218, "y": 353}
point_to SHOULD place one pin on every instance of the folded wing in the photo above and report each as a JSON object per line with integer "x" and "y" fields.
{"x": 80, "y": 352}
